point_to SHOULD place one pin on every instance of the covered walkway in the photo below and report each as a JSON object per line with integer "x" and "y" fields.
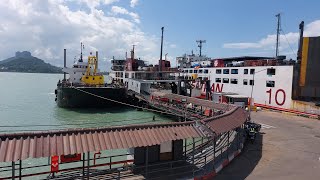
{"x": 16, "y": 147}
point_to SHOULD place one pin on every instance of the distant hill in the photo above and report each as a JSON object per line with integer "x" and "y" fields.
{"x": 24, "y": 62}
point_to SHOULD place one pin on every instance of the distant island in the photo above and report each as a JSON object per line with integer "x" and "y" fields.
{"x": 25, "y": 62}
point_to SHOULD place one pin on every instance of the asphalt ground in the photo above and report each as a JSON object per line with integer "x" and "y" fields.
{"x": 288, "y": 148}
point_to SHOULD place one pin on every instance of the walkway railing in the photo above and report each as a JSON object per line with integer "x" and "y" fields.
{"x": 199, "y": 154}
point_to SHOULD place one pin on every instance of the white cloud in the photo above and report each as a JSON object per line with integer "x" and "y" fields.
{"x": 269, "y": 42}
{"x": 313, "y": 29}
{"x": 133, "y": 3}
{"x": 107, "y": 2}
{"x": 120, "y": 10}
{"x": 45, "y": 28}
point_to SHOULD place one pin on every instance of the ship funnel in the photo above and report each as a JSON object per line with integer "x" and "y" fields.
{"x": 64, "y": 62}
{"x": 301, "y": 27}
{"x": 97, "y": 59}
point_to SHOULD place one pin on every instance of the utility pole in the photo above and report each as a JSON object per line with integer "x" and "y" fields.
{"x": 160, "y": 63}
{"x": 200, "y": 44}
{"x": 278, "y": 34}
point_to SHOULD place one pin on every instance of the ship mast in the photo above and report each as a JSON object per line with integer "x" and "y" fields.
{"x": 200, "y": 44}
{"x": 278, "y": 34}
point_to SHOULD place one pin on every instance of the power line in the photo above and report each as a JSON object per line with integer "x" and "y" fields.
{"x": 153, "y": 110}
{"x": 287, "y": 41}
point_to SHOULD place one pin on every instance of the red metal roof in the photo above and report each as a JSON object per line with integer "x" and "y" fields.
{"x": 227, "y": 121}
{"x": 20, "y": 146}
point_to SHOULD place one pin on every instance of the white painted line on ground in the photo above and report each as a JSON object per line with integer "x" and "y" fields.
{"x": 266, "y": 126}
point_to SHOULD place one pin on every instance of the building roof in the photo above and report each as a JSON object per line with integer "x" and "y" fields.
{"x": 20, "y": 146}
{"x": 227, "y": 121}
{"x": 244, "y": 58}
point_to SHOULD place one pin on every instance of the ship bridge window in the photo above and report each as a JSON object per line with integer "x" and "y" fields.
{"x": 245, "y": 82}
{"x": 270, "y": 84}
{"x": 245, "y": 71}
{"x": 206, "y": 71}
{"x": 271, "y": 71}
{"x": 252, "y": 71}
{"x": 251, "y": 82}
{"x": 234, "y": 71}
{"x": 200, "y": 71}
{"x": 218, "y": 71}
{"x": 218, "y": 80}
{"x": 225, "y": 80}
{"x": 190, "y": 71}
{"x": 195, "y": 71}
{"x": 234, "y": 81}
{"x": 226, "y": 71}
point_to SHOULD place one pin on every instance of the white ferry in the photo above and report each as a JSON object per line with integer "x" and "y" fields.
{"x": 268, "y": 82}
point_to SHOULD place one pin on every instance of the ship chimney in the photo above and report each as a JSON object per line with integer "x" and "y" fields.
{"x": 160, "y": 62}
{"x": 97, "y": 59}
{"x": 64, "y": 62}
{"x": 299, "y": 55}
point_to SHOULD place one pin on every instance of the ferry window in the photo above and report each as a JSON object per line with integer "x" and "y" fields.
{"x": 245, "y": 82}
{"x": 200, "y": 71}
{"x": 234, "y": 71}
{"x": 218, "y": 71}
{"x": 245, "y": 71}
{"x": 206, "y": 71}
{"x": 252, "y": 71}
{"x": 218, "y": 80}
{"x": 271, "y": 71}
{"x": 251, "y": 82}
{"x": 270, "y": 84}
{"x": 234, "y": 81}
{"x": 195, "y": 71}
{"x": 226, "y": 71}
{"x": 225, "y": 80}
{"x": 126, "y": 75}
{"x": 190, "y": 71}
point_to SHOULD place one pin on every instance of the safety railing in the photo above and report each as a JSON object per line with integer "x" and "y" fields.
{"x": 198, "y": 154}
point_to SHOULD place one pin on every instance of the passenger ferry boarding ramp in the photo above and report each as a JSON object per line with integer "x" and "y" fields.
{"x": 195, "y": 147}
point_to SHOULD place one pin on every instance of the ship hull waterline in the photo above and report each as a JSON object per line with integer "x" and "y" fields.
{"x": 89, "y": 97}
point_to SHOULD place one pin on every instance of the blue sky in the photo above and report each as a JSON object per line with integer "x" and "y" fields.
{"x": 230, "y": 27}
{"x": 223, "y": 21}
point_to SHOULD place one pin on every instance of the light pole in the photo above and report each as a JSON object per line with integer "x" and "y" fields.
{"x": 252, "y": 89}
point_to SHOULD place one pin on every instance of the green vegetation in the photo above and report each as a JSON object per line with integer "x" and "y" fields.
{"x": 28, "y": 64}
